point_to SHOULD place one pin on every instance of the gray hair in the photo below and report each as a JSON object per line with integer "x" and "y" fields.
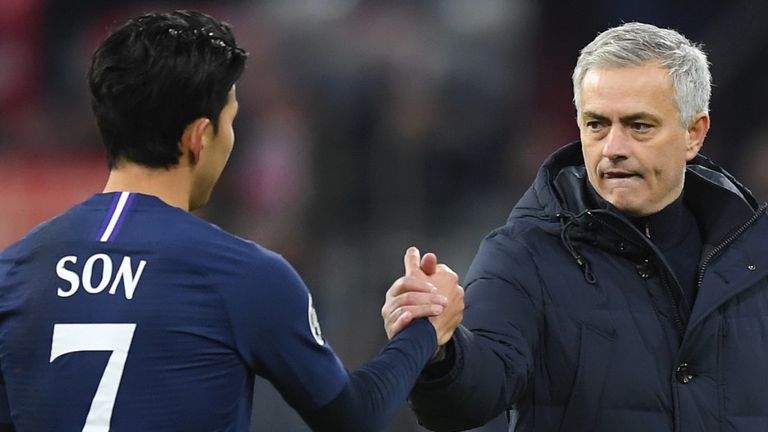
{"x": 634, "y": 44}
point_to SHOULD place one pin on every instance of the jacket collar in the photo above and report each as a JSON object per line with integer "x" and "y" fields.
{"x": 718, "y": 201}
{"x": 723, "y": 208}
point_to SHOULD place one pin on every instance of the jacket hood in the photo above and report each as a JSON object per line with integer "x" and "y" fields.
{"x": 560, "y": 186}
{"x": 559, "y": 202}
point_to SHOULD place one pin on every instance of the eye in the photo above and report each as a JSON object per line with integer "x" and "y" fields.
{"x": 640, "y": 126}
{"x": 594, "y": 125}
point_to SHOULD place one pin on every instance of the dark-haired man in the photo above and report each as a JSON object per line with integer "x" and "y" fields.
{"x": 128, "y": 313}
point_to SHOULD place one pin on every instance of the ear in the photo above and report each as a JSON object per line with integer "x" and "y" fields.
{"x": 194, "y": 140}
{"x": 696, "y": 133}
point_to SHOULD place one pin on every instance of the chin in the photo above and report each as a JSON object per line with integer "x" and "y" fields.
{"x": 628, "y": 208}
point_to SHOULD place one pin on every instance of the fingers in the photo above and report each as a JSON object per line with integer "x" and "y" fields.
{"x": 410, "y": 284}
{"x": 401, "y": 317}
{"x": 400, "y": 323}
{"x": 442, "y": 268}
{"x": 409, "y": 313}
{"x": 410, "y": 299}
{"x": 453, "y": 313}
{"x": 444, "y": 279}
{"x": 411, "y": 260}
{"x": 429, "y": 263}
{"x": 430, "y": 307}
{"x": 408, "y": 291}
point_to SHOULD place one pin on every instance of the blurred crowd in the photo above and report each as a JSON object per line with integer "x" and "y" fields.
{"x": 365, "y": 126}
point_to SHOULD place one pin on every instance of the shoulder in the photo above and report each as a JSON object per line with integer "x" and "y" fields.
{"x": 522, "y": 237}
{"x": 226, "y": 259}
{"x": 35, "y": 239}
{"x": 214, "y": 243}
{"x": 515, "y": 253}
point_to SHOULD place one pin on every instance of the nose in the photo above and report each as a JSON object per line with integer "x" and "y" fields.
{"x": 616, "y": 144}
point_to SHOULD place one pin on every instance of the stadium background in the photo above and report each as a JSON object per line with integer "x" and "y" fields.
{"x": 365, "y": 126}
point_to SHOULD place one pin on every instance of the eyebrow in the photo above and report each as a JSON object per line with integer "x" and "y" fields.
{"x": 595, "y": 116}
{"x": 642, "y": 115}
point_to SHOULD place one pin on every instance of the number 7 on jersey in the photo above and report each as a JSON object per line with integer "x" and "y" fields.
{"x": 69, "y": 338}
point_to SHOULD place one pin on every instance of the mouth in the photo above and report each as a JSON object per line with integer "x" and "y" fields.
{"x": 618, "y": 174}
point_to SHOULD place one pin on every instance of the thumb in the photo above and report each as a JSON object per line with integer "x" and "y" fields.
{"x": 411, "y": 260}
{"x": 429, "y": 264}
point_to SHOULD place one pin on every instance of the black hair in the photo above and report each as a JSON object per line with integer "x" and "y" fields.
{"x": 156, "y": 74}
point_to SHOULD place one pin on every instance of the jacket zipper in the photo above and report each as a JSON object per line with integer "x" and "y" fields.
{"x": 734, "y": 235}
{"x": 676, "y": 315}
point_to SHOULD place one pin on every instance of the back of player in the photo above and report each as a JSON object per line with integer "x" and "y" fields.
{"x": 128, "y": 312}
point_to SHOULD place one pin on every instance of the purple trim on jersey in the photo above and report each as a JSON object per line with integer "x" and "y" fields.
{"x": 111, "y": 210}
{"x": 115, "y": 216}
{"x": 121, "y": 218}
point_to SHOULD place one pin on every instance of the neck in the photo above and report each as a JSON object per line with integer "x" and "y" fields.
{"x": 171, "y": 185}
{"x": 667, "y": 226}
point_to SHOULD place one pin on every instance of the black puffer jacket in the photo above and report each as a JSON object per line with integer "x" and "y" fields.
{"x": 575, "y": 322}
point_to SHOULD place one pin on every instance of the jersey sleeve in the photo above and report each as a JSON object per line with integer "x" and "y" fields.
{"x": 276, "y": 331}
{"x": 374, "y": 392}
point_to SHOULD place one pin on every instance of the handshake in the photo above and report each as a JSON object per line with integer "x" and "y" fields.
{"x": 428, "y": 289}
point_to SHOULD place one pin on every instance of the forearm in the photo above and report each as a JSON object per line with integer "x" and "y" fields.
{"x": 374, "y": 392}
{"x": 493, "y": 348}
{"x": 484, "y": 378}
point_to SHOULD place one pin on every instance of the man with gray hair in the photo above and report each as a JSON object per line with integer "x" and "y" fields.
{"x": 628, "y": 290}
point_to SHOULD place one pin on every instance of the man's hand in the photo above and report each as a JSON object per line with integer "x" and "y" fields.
{"x": 428, "y": 289}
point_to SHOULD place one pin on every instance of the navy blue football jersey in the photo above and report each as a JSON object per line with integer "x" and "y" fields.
{"x": 125, "y": 313}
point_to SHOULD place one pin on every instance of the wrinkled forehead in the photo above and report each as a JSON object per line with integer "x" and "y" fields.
{"x": 627, "y": 88}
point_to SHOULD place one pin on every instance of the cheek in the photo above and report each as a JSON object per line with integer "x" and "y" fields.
{"x": 675, "y": 161}
{"x": 669, "y": 172}
{"x": 592, "y": 155}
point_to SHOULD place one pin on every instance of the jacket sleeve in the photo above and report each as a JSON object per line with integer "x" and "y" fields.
{"x": 493, "y": 351}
